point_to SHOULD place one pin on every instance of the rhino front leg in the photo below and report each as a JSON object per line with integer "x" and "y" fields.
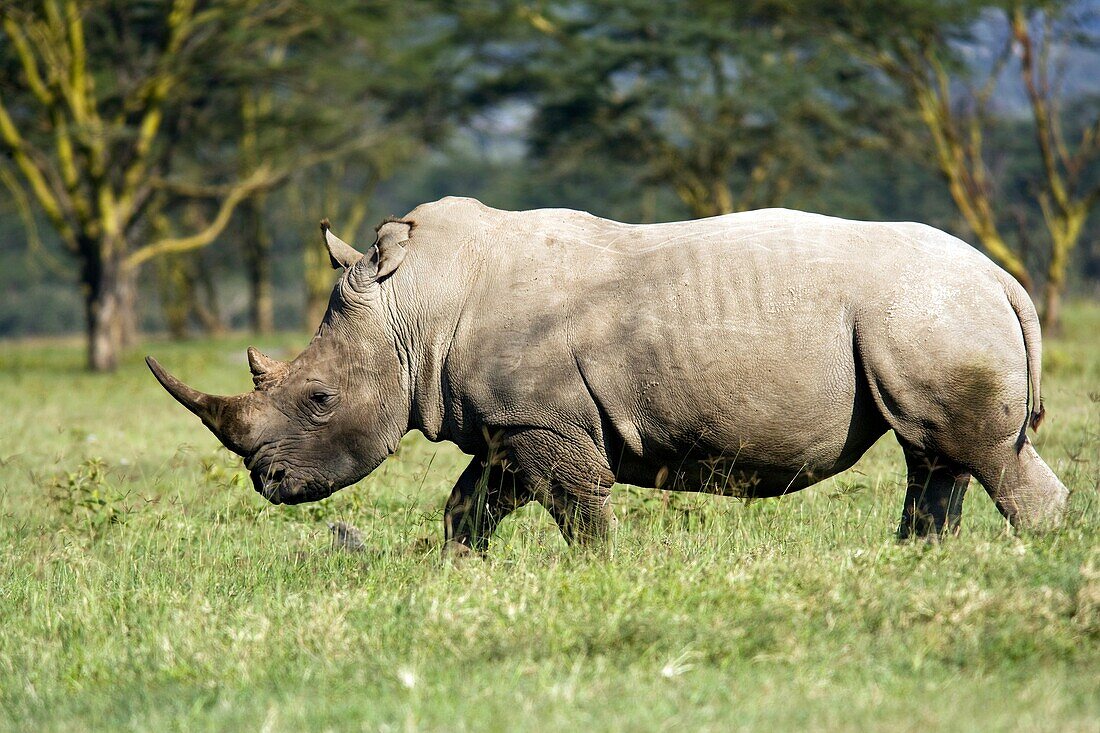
{"x": 570, "y": 479}
{"x": 584, "y": 517}
{"x": 482, "y": 497}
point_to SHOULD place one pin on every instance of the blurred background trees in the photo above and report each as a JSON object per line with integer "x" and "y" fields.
{"x": 727, "y": 105}
{"x": 140, "y": 129}
{"x": 166, "y": 161}
{"x": 953, "y": 63}
{"x": 106, "y": 96}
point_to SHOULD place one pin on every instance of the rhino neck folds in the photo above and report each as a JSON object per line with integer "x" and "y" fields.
{"x": 415, "y": 320}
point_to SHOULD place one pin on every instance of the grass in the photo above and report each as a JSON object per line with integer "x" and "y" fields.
{"x": 145, "y": 586}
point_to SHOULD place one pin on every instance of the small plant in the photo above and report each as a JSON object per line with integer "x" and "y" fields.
{"x": 350, "y": 503}
{"x": 86, "y": 499}
{"x": 222, "y": 470}
{"x": 849, "y": 489}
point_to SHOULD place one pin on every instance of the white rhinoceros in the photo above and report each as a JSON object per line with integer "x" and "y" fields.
{"x": 750, "y": 354}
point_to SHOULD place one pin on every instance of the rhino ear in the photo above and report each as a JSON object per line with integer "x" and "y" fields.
{"x": 390, "y": 246}
{"x": 340, "y": 253}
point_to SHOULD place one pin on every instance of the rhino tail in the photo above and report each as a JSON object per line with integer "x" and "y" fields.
{"x": 1033, "y": 346}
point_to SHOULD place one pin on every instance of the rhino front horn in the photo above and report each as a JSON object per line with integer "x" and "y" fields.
{"x": 219, "y": 414}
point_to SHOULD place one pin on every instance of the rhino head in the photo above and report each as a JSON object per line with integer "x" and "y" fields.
{"x": 328, "y": 418}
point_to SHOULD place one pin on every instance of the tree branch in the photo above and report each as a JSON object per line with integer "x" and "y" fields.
{"x": 28, "y": 62}
{"x": 179, "y": 26}
{"x": 43, "y": 192}
{"x": 1039, "y": 110}
{"x": 261, "y": 179}
{"x": 26, "y": 213}
{"x": 1092, "y": 198}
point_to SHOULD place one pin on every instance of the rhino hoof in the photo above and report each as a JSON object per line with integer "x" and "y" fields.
{"x": 456, "y": 551}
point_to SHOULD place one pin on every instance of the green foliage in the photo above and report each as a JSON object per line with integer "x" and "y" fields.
{"x": 725, "y": 103}
{"x": 210, "y": 609}
{"x": 86, "y": 500}
{"x": 222, "y": 471}
{"x": 640, "y": 111}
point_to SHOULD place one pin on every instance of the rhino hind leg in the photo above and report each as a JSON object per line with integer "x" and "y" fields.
{"x": 935, "y": 489}
{"x": 484, "y": 495}
{"x": 1024, "y": 488}
{"x": 966, "y": 402}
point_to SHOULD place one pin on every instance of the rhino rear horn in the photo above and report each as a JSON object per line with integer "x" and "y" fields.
{"x": 340, "y": 253}
{"x": 264, "y": 369}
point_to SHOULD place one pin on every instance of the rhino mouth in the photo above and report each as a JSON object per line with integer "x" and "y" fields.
{"x": 278, "y": 488}
{"x": 269, "y": 484}
{"x": 301, "y": 497}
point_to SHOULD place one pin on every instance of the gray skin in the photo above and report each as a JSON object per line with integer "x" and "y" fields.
{"x": 751, "y": 354}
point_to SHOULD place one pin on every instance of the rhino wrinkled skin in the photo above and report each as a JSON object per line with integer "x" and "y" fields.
{"x": 750, "y": 354}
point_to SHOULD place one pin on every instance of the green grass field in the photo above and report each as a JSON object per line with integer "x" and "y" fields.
{"x": 145, "y": 586}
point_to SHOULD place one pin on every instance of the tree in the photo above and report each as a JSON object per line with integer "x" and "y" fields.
{"x": 115, "y": 112}
{"x": 922, "y": 46}
{"x": 377, "y": 67}
{"x": 343, "y": 191}
{"x": 1066, "y": 194}
{"x": 717, "y": 101}
{"x": 185, "y": 281}
{"x": 87, "y": 121}
{"x": 347, "y": 206}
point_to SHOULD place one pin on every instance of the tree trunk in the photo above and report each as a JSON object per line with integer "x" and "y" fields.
{"x": 128, "y": 326}
{"x": 104, "y": 305}
{"x": 347, "y": 214}
{"x": 1065, "y": 232}
{"x": 712, "y": 198}
{"x": 206, "y": 307}
{"x": 258, "y": 256}
{"x": 103, "y": 312}
{"x": 188, "y": 295}
{"x": 1052, "y": 309}
{"x": 314, "y": 312}
{"x": 649, "y": 205}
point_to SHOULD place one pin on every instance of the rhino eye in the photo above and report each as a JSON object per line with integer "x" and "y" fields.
{"x": 321, "y": 399}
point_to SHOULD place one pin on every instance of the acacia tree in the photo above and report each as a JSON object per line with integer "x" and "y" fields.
{"x": 343, "y": 191}
{"x": 1066, "y": 194}
{"x": 347, "y": 204}
{"x": 91, "y": 93}
{"x": 718, "y": 101}
{"x": 185, "y": 281}
{"x": 922, "y": 48}
{"x": 378, "y": 67}
{"x": 113, "y": 113}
